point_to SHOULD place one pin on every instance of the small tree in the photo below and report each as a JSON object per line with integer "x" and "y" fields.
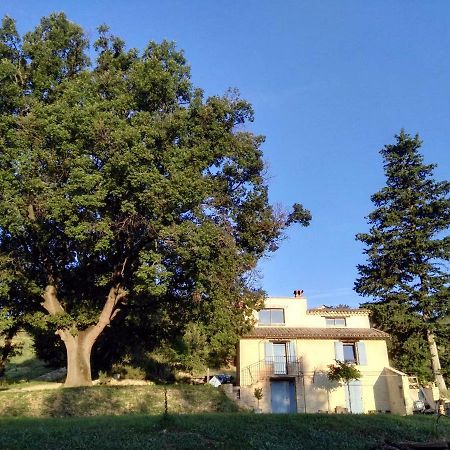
{"x": 258, "y": 394}
{"x": 344, "y": 372}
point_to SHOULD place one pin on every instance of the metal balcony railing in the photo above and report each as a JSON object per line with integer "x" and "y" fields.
{"x": 270, "y": 367}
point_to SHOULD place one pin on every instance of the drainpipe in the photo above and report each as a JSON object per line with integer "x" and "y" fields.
{"x": 302, "y": 375}
{"x": 304, "y": 393}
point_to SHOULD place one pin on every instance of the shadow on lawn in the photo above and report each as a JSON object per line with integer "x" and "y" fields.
{"x": 25, "y": 370}
{"x": 69, "y": 402}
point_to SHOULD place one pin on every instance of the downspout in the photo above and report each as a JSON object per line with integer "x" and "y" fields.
{"x": 302, "y": 375}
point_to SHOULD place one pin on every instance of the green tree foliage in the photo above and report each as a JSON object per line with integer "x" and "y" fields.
{"x": 125, "y": 195}
{"x": 343, "y": 372}
{"x": 9, "y": 326}
{"x": 407, "y": 248}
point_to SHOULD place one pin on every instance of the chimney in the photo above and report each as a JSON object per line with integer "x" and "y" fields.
{"x": 298, "y": 293}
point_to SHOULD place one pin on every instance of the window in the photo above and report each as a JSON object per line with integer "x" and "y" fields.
{"x": 351, "y": 352}
{"x": 272, "y": 316}
{"x": 335, "y": 321}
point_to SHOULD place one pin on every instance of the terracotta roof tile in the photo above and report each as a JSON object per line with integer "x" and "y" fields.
{"x": 338, "y": 311}
{"x": 315, "y": 333}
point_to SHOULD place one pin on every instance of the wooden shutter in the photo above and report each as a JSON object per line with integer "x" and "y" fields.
{"x": 339, "y": 351}
{"x": 362, "y": 356}
{"x": 354, "y": 397}
{"x": 291, "y": 351}
{"x": 268, "y": 352}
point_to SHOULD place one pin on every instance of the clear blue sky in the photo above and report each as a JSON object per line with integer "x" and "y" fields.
{"x": 331, "y": 82}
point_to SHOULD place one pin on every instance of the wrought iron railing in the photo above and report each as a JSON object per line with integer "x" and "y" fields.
{"x": 270, "y": 367}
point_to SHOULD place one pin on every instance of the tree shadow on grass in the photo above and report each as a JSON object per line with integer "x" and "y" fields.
{"x": 152, "y": 402}
{"x": 80, "y": 402}
{"x": 206, "y": 398}
{"x": 25, "y": 370}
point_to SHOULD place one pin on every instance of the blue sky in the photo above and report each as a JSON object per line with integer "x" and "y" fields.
{"x": 331, "y": 83}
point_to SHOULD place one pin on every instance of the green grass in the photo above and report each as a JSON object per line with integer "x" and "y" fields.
{"x": 200, "y": 417}
{"x": 217, "y": 431}
{"x": 113, "y": 400}
{"x": 24, "y": 366}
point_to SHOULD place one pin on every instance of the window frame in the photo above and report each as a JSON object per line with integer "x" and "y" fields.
{"x": 271, "y": 322}
{"x": 355, "y": 352}
{"x": 359, "y": 351}
{"x": 334, "y": 321}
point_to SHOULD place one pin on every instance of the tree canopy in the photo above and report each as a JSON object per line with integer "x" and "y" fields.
{"x": 407, "y": 249}
{"x": 125, "y": 192}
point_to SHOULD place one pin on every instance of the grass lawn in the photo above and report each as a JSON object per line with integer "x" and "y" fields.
{"x": 114, "y": 400}
{"x": 200, "y": 417}
{"x": 25, "y": 366}
{"x": 220, "y": 430}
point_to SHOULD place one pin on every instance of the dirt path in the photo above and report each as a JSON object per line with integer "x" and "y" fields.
{"x": 34, "y": 387}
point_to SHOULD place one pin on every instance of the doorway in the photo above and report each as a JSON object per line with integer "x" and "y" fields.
{"x": 283, "y": 396}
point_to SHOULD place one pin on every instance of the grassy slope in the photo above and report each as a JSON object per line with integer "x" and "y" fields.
{"x": 24, "y": 366}
{"x": 221, "y": 430}
{"x": 55, "y": 420}
{"x": 113, "y": 400}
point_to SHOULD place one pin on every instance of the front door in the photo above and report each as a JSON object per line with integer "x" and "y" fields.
{"x": 283, "y": 396}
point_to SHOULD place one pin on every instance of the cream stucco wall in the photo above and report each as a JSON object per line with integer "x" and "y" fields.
{"x": 297, "y": 315}
{"x": 382, "y": 388}
{"x": 316, "y": 354}
{"x": 313, "y": 389}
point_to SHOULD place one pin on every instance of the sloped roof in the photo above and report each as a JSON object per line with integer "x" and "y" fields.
{"x": 315, "y": 333}
{"x": 338, "y": 311}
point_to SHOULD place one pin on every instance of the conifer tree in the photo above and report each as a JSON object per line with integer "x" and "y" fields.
{"x": 407, "y": 248}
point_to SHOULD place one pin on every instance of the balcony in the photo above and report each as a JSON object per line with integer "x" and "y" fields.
{"x": 269, "y": 368}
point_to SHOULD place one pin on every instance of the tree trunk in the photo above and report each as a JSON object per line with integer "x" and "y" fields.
{"x": 79, "y": 346}
{"x": 349, "y": 398}
{"x": 435, "y": 362}
{"x": 78, "y": 358}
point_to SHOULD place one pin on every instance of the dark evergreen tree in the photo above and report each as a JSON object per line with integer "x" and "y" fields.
{"x": 407, "y": 248}
{"x": 124, "y": 192}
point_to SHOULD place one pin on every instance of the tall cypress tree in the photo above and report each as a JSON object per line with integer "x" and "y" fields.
{"x": 406, "y": 250}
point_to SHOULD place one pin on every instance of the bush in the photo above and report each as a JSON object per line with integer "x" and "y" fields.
{"x": 128, "y": 372}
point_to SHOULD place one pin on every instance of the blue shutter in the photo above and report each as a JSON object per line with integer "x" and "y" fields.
{"x": 268, "y": 352}
{"x": 339, "y": 351}
{"x": 291, "y": 351}
{"x": 362, "y": 356}
{"x": 354, "y": 397}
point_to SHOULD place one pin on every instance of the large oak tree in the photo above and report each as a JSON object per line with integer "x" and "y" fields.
{"x": 407, "y": 250}
{"x": 122, "y": 186}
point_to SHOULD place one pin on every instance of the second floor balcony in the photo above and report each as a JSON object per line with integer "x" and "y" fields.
{"x": 271, "y": 367}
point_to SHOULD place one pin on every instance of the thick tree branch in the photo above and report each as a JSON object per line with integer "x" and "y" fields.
{"x": 51, "y": 302}
{"x": 116, "y": 295}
